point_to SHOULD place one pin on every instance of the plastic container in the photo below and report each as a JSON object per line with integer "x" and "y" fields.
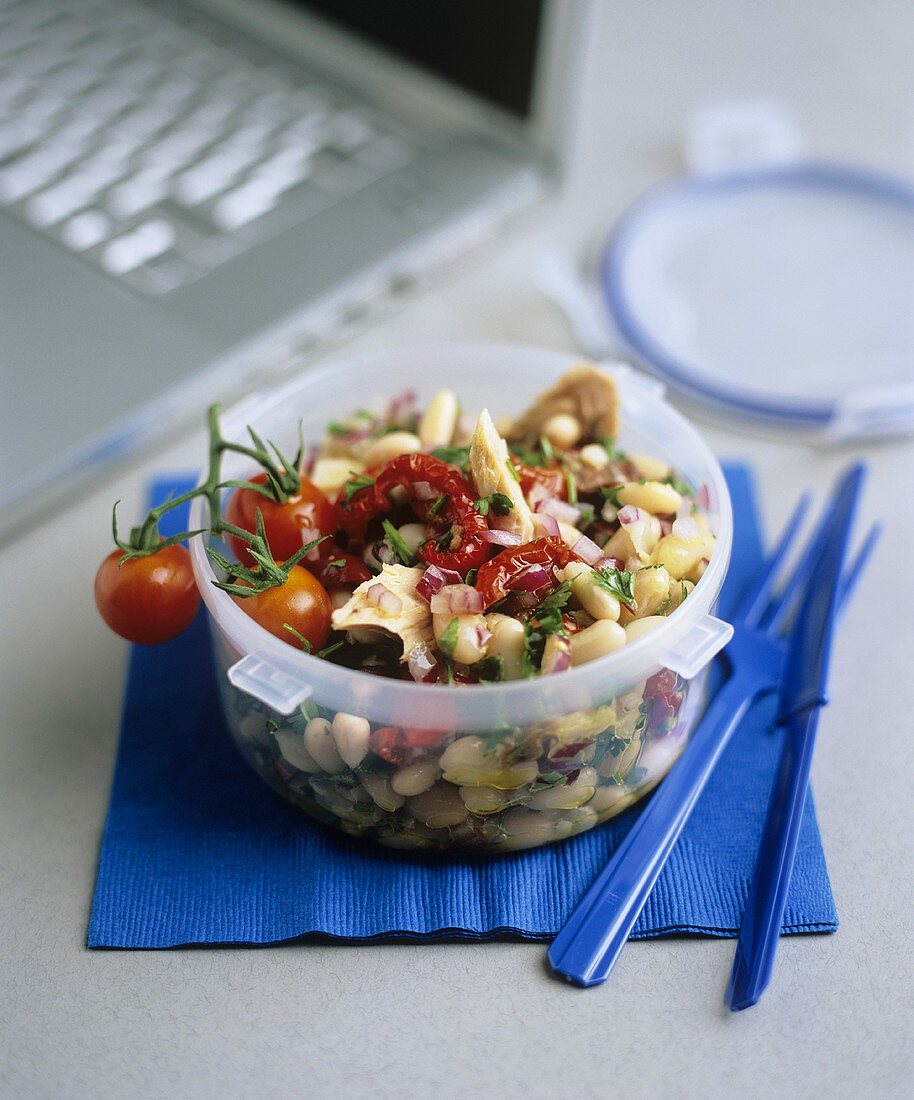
{"x": 492, "y": 767}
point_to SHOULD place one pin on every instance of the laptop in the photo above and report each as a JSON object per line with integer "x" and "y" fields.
{"x": 195, "y": 197}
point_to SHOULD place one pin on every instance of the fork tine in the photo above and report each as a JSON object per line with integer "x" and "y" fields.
{"x": 783, "y": 606}
{"x": 755, "y": 601}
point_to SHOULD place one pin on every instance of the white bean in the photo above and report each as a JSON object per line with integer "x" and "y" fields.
{"x": 440, "y": 807}
{"x": 653, "y": 496}
{"x": 381, "y": 793}
{"x": 350, "y": 732}
{"x": 597, "y": 640}
{"x": 466, "y": 763}
{"x": 415, "y": 778}
{"x": 468, "y": 649}
{"x": 386, "y": 447}
{"x": 679, "y": 557}
{"x": 652, "y": 590}
{"x": 568, "y": 796}
{"x": 638, "y": 628}
{"x": 595, "y": 456}
{"x": 413, "y": 534}
{"x": 320, "y": 744}
{"x": 563, "y": 430}
{"x": 648, "y": 466}
{"x": 484, "y": 800}
{"x": 436, "y": 428}
{"x": 292, "y": 747}
{"x": 595, "y": 600}
{"x": 507, "y": 642}
{"x": 331, "y": 474}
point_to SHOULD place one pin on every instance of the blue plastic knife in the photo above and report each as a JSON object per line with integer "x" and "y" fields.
{"x": 802, "y": 695}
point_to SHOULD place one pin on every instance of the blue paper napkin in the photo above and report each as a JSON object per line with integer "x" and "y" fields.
{"x": 196, "y": 849}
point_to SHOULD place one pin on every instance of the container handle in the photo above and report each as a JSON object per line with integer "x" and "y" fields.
{"x": 691, "y": 653}
{"x": 280, "y": 692}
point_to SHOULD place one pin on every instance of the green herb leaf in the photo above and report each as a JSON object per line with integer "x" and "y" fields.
{"x": 456, "y": 456}
{"x": 572, "y": 487}
{"x": 395, "y": 541}
{"x": 617, "y": 582}
{"x": 548, "y": 451}
{"x": 355, "y": 484}
{"x": 309, "y": 710}
{"x": 545, "y": 619}
{"x": 500, "y": 503}
{"x": 305, "y": 644}
{"x": 448, "y": 639}
{"x": 611, "y": 493}
{"x": 491, "y": 669}
{"x": 615, "y": 455}
{"x": 547, "y": 780}
{"x": 335, "y": 428}
{"x": 681, "y": 487}
{"x": 444, "y": 540}
{"x": 471, "y": 576}
{"x": 512, "y": 470}
{"x": 439, "y": 505}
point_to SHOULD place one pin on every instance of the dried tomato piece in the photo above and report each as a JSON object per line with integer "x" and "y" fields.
{"x": 550, "y": 478}
{"x": 522, "y": 568}
{"x": 403, "y": 746}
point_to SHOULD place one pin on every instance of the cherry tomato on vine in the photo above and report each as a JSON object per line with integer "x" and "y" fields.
{"x": 150, "y": 599}
{"x": 302, "y": 603}
{"x": 306, "y": 516}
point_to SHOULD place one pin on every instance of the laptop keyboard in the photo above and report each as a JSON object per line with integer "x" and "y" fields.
{"x": 157, "y": 149}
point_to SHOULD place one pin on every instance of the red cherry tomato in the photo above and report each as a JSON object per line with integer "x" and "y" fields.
{"x": 288, "y": 526}
{"x": 302, "y": 602}
{"x": 150, "y": 599}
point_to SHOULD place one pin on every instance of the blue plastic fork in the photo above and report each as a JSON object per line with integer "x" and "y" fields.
{"x": 587, "y": 947}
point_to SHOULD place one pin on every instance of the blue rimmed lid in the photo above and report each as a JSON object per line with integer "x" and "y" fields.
{"x": 782, "y": 294}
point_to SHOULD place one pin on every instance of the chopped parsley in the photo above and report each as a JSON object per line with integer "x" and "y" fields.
{"x": 456, "y": 456}
{"x": 445, "y": 540}
{"x": 572, "y": 487}
{"x": 471, "y": 576}
{"x": 308, "y": 648}
{"x": 500, "y": 504}
{"x": 547, "y": 780}
{"x": 615, "y": 455}
{"x": 548, "y": 451}
{"x": 491, "y": 669}
{"x": 337, "y": 563}
{"x": 545, "y": 619}
{"x": 611, "y": 493}
{"x": 512, "y": 470}
{"x": 440, "y": 504}
{"x": 448, "y": 639}
{"x": 355, "y": 484}
{"x": 681, "y": 487}
{"x": 336, "y": 428}
{"x": 395, "y": 541}
{"x": 617, "y": 582}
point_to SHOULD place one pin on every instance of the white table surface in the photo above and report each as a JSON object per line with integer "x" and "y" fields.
{"x": 487, "y": 1020}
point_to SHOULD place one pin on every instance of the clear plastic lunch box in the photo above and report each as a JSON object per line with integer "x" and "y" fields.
{"x": 493, "y": 767}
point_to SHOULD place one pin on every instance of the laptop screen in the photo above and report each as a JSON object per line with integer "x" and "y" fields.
{"x": 486, "y": 47}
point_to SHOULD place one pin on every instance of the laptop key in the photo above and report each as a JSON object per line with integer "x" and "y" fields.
{"x": 86, "y": 230}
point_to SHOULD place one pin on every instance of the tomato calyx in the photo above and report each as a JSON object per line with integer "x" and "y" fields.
{"x": 267, "y": 573}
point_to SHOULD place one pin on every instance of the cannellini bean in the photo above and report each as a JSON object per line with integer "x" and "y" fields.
{"x": 484, "y": 800}
{"x": 635, "y": 540}
{"x": 679, "y": 591}
{"x": 611, "y": 797}
{"x": 386, "y": 447}
{"x": 350, "y": 732}
{"x": 581, "y": 820}
{"x": 637, "y": 628}
{"x": 569, "y": 796}
{"x": 653, "y": 496}
{"x": 677, "y": 556}
{"x": 413, "y": 779}
{"x": 466, "y": 763}
{"x": 440, "y": 807}
{"x": 648, "y": 466}
{"x": 436, "y": 428}
{"x": 595, "y": 456}
{"x": 320, "y": 744}
{"x": 595, "y": 600}
{"x": 413, "y": 534}
{"x": 652, "y": 589}
{"x": 563, "y": 430}
{"x": 507, "y": 642}
{"x": 522, "y": 824}
{"x": 609, "y": 511}
{"x": 331, "y": 474}
{"x": 597, "y": 640}
{"x": 381, "y": 793}
{"x": 292, "y": 747}
{"x": 468, "y": 649}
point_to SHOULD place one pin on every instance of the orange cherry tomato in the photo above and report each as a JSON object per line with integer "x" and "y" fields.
{"x": 150, "y": 599}
{"x": 288, "y": 526}
{"x": 302, "y": 603}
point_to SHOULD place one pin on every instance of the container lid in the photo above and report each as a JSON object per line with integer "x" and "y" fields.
{"x": 781, "y": 294}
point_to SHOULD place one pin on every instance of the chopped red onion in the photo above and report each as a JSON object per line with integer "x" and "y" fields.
{"x": 547, "y": 525}
{"x": 686, "y": 529}
{"x": 482, "y": 636}
{"x": 665, "y": 527}
{"x": 610, "y": 563}
{"x": 383, "y": 599}
{"x": 420, "y": 662}
{"x": 502, "y": 538}
{"x": 703, "y": 498}
{"x": 424, "y": 490}
{"x": 587, "y": 550}
{"x": 563, "y": 512}
{"x": 535, "y": 576}
{"x": 537, "y": 494}
{"x": 401, "y": 405}
{"x": 384, "y": 554}
{"x": 456, "y": 599}
{"x": 628, "y": 514}
{"x": 558, "y": 659}
{"x": 434, "y": 579}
